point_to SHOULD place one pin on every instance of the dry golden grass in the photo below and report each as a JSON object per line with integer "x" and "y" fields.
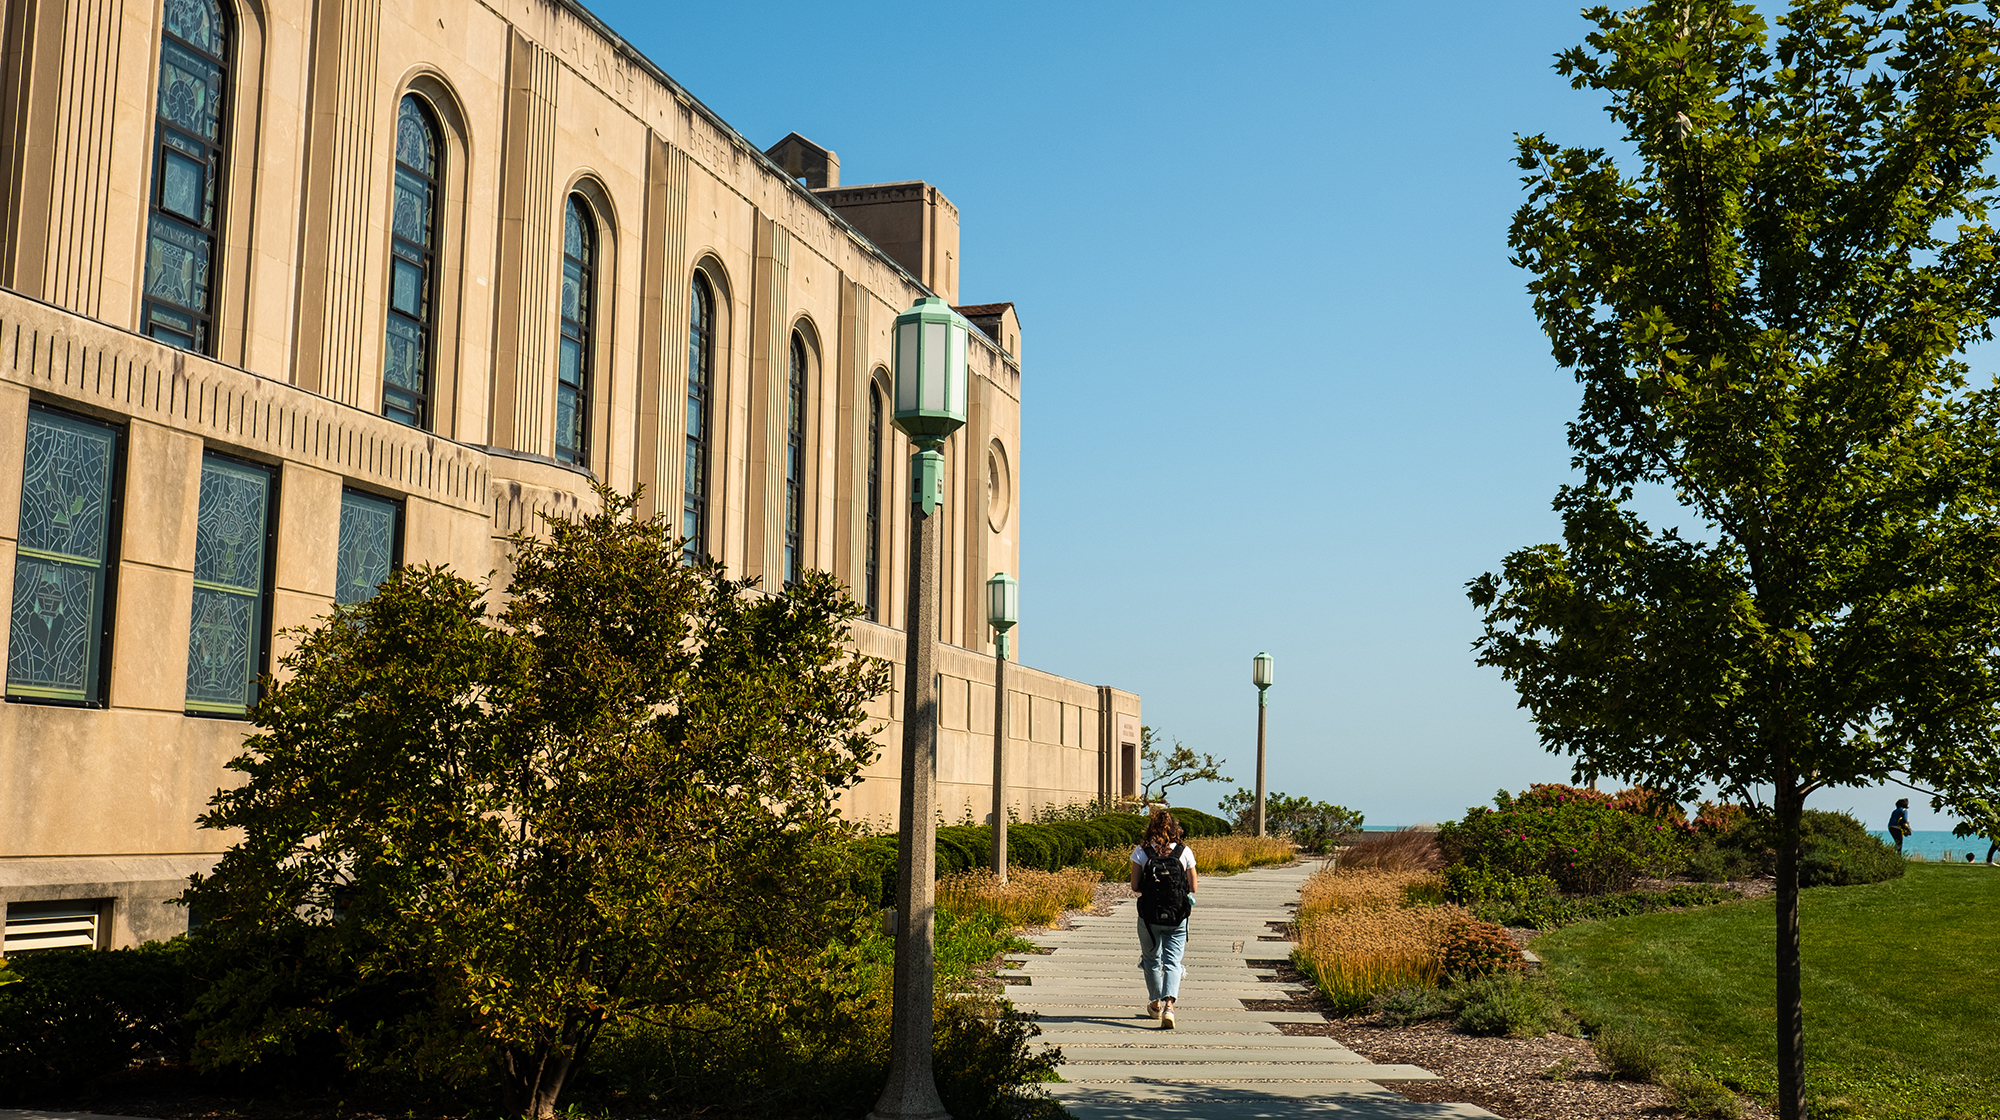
{"x": 1405, "y": 849}
{"x": 1331, "y": 891}
{"x": 1356, "y": 952}
{"x": 1226, "y": 855}
{"x": 1028, "y": 898}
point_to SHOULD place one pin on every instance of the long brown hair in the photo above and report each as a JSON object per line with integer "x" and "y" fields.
{"x": 1163, "y": 826}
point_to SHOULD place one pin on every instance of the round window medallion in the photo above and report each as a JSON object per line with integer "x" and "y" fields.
{"x": 999, "y": 487}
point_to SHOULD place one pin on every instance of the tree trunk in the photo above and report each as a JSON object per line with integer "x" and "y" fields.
{"x": 533, "y": 1080}
{"x": 1790, "y": 803}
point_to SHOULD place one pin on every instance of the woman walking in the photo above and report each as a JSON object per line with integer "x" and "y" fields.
{"x": 1163, "y": 876}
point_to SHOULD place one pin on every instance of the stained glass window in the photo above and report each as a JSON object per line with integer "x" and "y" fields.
{"x": 231, "y": 536}
{"x": 62, "y": 565}
{"x": 573, "y": 368}
{"x": 184, "y": 217}
{"x": 701, "y": 379}
{"x": 413, "y": 219}
{"x": 371, "y": 545}
{"x": 871, "y": 582}
{"x": 795, "y": 467}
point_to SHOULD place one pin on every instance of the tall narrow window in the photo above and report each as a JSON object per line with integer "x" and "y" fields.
{"x": 226, "y": 643}
{"x": 406, "y": 362}
{"x": 63, "y": 565}
{"x": 371, "y": 545}
{"x": 795, "y": 467}
{"x": 573, "y": 372}
{"x": 701, "y": 385}
{"x": 184, "y": 215}
{"x": 872, "y": 577}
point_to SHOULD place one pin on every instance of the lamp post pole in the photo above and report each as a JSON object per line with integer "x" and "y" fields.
{"x": 1260, "y": 675}
{"x": 930, "y": 405}
{"x": 1003, "y": 610}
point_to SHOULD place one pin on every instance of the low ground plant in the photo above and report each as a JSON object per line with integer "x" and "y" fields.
{"x": 1226, "y": 855}
{"x": 1509, "y": 1004}
{"x": 1405, "y": 849}
{"x": 1629, "y": 1055}
{"x": 1027, "y": 898}
{"x": 1399, "y": 1007}
{"x": 1899, "y": 987}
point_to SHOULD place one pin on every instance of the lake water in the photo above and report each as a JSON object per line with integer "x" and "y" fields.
{"x": 1939, "y": 844}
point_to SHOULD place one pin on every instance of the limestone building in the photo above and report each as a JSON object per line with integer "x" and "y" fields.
{"x": 291, "y": 293}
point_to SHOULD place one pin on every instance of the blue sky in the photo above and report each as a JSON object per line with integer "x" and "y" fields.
{"x": 1282, "y": 388}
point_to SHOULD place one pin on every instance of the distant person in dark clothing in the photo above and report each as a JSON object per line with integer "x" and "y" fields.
{"x": 1992, "y": 846}
{"x": 1899, "y": 822}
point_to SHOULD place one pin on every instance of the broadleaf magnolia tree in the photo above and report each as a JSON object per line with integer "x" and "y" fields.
{"x": 1765, "y": 294}
{"x": 613, "y": 800}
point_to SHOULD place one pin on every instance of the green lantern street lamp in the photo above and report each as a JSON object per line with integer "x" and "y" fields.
{"x": 1003, "y": 610}
{"x": 1261, "y": 676}
{"x": 930, "y": 342}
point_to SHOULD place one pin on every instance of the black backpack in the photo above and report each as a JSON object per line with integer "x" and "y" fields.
{"x": 1163, "y": 889}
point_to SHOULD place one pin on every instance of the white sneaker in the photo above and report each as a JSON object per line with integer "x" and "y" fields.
{"x": 1153, "y": 1010}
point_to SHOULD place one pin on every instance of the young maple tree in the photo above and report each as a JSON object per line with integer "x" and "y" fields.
{"x": 502, "y": 835}
{"x": 1766, "y": 294}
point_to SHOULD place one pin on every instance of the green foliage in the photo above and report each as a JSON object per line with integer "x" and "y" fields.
{"x": 508, "y": 833}
{"x": 70, "y": 1015}
{"x": 1835, "y": 850}
{"x": 1315, "y": 826}
{"x": 1399, "y": 1007}
{"x": 1693, "y": 1093}
{"x": 1470, "y": 885}
{"x": 1475, "y": 949}
{"x": 1508, "y": 1004}
{"x": 1164, "y": 769}
{"x": 1630, "y": 1055}
{"x": 1575, "y": 837}
{"x": 1899, "y": 976}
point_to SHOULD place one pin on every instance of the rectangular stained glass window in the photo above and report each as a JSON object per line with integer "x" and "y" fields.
{"x": 371, "y": 545}
{"x": 231, "y": 544}
{"x": 62, "y": 567}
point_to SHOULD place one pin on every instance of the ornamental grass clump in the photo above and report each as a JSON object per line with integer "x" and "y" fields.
{"x": 1357, "y": 953}
{"x": 1405, "y": 849}
{"x": 1226, "y": 855}
{"x": 1360, "y": 890}
{"x": 1027, "y": 898}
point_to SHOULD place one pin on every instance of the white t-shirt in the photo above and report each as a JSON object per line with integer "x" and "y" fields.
{"x": 1140, "y": 857}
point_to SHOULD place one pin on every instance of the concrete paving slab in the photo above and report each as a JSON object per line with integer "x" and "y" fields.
{"x": 1242, "y": 1071}
{"x": 1340, "y": 1100}
{"x": 1210, "y": 1050}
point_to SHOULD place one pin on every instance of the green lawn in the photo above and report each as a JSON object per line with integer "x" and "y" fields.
{"x": 1902, "y": 991}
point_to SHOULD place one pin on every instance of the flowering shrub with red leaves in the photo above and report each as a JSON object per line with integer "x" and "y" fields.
{"x": 1472, "y": 949}
{"x": 1580, "y": 838}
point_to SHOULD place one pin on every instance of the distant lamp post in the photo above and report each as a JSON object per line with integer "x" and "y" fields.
{"x": 1260, "y": 675}
{"x": 1003, "y": 610}
{"x": 930, "y": 342}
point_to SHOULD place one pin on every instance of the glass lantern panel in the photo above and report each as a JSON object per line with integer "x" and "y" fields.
{"x": 906, "y": 367}
{"x": 936, "y": 349}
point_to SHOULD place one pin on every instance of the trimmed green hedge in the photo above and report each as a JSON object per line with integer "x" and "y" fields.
{"x": 1045, "y": 847}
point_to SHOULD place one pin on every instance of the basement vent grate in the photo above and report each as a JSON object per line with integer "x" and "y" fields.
{"x": 50, "y": 925}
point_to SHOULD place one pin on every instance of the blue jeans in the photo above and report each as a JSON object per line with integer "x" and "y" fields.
{"x": 1160, "y": 958}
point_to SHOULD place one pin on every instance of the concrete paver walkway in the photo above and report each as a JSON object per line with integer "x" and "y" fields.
{"x": 1222, "y": 1062}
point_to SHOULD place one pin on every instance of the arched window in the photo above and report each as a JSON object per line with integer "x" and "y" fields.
{"x": 406, "y": 361}
{"x": 701, "y": 381}
{"x": 871, "y": 584}
{"x": 578, "y": 309}
{"x": 795, "y": 466}
{"x": 184, "y": 218}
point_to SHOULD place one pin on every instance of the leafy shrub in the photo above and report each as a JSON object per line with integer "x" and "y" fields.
{"x": 1315, "y": 826}
{"x": 1692, "y": 1093}
{"x": 1508, "y": 1004}
{"x": 1475, "y": 886}
{"x": 1473, "y": 949}
{"x": 1835, "y": 850}
{"x": 76, "y": 1014}
{"x": 1583, "y": 840}
{"x": 1399, "y": 1007}
{"x": 1630, "y": 1056}
{"x": 1405, "y": 849}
